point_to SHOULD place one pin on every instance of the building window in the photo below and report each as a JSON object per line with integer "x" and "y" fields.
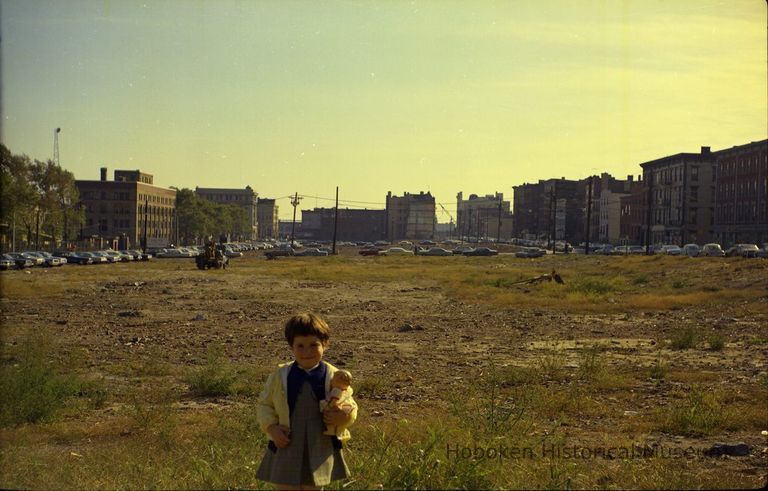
{"x": 695, "y": 173}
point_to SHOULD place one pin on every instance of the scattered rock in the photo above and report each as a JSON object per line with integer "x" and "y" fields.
{"x": 129, "y": 313}
{"x": 410, "y": 327}
{"x": 62, "y": 322}
{"x": 736, "y": 450}
{"x": 199, "y": 317}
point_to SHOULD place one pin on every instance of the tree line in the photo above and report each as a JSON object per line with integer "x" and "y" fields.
{"x": 200, "y": 218}
{"x": 38, "y": 199}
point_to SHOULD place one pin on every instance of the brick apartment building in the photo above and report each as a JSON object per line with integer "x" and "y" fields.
{"x": 681, "y": 197}
{"x": 550, "y": 206}
{"x": 483, "y": 216}
{"x": 632, "y": 213}
{"x": 116, "y": 210}
{"x": 245, "y": 198}
{"x": 605, "y": 218}
{"x": 266, "y": 218}
{"x": 353, "y": 224}
{"x": 411, "y": 216}
{"x": 740, "y": 203}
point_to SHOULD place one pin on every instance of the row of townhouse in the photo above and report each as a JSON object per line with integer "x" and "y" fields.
{"x": 681, "y": 198}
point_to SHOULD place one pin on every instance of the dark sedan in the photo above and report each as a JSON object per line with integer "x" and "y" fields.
{"x": 20, "y": 261}
{"x": 482, "y": 251}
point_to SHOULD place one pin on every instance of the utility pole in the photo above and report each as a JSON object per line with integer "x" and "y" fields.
{"x": 335, "y": 221}
{"x": 37, "y": 229}
{"x": 146, "y": 213}
{"x": 478, "y": 226}
{"x": 648, "y": 214}
{"x": 295, "y": 203}
{"x": 498, "y": 228}
{"x": 589, "y": 216}
{"x": 549, "y": 221}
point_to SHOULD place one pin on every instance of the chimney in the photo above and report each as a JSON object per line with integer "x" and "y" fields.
{"x": 704, "y": 150}
{"x": 630, "y": 178}
{"x": 103, "y": 173}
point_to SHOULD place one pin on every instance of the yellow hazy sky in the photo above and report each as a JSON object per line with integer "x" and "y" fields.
{"x": 377, "y": 96}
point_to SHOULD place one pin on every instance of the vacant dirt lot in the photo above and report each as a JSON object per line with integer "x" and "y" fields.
{"x": 670, "y": 352}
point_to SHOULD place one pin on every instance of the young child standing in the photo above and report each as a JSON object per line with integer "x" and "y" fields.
{"x": 299, "y": 455}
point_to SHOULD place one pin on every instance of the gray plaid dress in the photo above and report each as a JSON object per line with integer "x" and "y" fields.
{"x": 311, "y": 458}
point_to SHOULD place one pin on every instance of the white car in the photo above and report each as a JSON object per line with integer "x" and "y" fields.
{"x": 395, "y": 251}
{"x": 712, "y": 250}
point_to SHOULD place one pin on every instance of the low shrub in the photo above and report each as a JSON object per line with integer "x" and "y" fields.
{"x": 215, "y": 378}
{"x": 684, "y": 339}
{"x": 32, "y": 391}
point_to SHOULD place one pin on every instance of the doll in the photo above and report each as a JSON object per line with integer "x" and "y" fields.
{"x": 340, "y": 396}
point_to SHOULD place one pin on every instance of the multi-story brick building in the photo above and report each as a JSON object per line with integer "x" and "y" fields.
{"x": 681, "y": 197}
{"x": 266, "y": 217}
{"x": 483, "y": 216}
{"x": 411, "y": 216}
{"x": 740, "y": 203}
{"x": 526, "y": 204}
{"x": 605, "y": 218}
{"x": 632, "y": 213}
{"x": 244, "y": 198}
{"x": 353, "y": 224}
{"x": 128, "y": 209}
{"x": 552, "y": 206}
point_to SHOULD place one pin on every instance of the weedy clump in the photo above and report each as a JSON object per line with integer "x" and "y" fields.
{"x": 32, "y": 390}
{"x": 684, "y": 339}
{"x": 215, "y": 378}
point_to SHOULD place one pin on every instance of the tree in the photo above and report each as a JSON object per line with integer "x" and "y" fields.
{"x": 38, "y": 195}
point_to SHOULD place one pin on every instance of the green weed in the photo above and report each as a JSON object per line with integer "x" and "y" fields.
{"x": 215, "y": 378}
{"x": 684, "y": 339}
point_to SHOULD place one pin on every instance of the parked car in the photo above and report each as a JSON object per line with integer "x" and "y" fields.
{"x": 763, "y": 251}
{"x": 21, "y": 261}
{"x": 369, "y": 251}
{"x": 436, "y": 251}
{"x": 172, "y": 254}
{"x": 97, "y": 259}
{"x": 482, "y": 251}
{"x": 712, "y": 250}
{"x": 78, "y": 258}
{"x": 311, "y": 251}
{"x": 530, "y": 252}
{"x": 395, "y": 251}
{"x": 691, "y": 250}
{"x": 743, "y": 250}
{"x": 279, "y": 252}
{"x": 7, "y": 263}
{"x": 670, "y": 250}
{"x": 138, "y": 255}
{"x": 50, "y": 260}
{"x": 26, "y": 257}
{"x": 118, "y": 257}
{"x": 37, "y": 260}
{"x": 461, "y": 250}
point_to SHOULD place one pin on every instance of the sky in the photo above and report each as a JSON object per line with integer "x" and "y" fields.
{"x": 375, "y": 96}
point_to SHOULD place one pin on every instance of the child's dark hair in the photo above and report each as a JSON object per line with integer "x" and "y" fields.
{"x": 307, "y": 324}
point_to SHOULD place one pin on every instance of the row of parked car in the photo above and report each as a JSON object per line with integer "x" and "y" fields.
{"x": 690, "y": 250}
{"x": 29, "y": 259}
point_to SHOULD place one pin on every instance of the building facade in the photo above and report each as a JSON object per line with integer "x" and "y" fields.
{"x": 552, "y": 209}
{"x": 681, "y": 191}
{"x": 605, "y": 218}
{"x": 128, "y": 209}
{"x": 483, "y": 216}
{"x": 266, "y": 218}
{"x": 740, "y": 202}
{"x": 244, "y": 198}
{"x": 632, "y": 214}
{"x": 353, "y": 224}
{"x": 411, "y": 216}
